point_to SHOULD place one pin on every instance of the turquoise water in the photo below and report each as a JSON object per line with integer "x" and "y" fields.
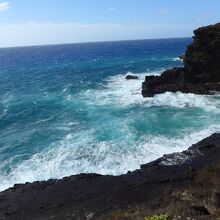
{"x": 68, "y": 109}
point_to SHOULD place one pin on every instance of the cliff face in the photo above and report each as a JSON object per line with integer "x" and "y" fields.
{"x": 183, "y": 185}
{"x": 201, "y": 72}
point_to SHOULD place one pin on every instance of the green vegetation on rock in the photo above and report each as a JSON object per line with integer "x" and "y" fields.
{"x": 157, "y": 217}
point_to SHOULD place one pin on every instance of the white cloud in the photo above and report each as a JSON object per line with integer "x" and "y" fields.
{"x": 163, "y": 12}
{"x": 4, "y": 6}
{"x": 57, "y": 33}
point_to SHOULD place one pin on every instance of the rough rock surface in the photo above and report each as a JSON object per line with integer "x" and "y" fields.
{"x": 183, "y": 185}
{"x": 201, "y": 72}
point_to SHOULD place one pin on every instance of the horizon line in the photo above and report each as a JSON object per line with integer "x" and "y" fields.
{"x": 91, "y": 42}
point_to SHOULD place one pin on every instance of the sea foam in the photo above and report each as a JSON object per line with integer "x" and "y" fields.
{"x": 119, "y": 91}
{"x": 81, "y": 153}
{"x": 115, "y": 142}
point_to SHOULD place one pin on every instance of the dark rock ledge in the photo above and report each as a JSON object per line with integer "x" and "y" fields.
{"x": 201, "y": 71}
{"x": 181, "y": 185}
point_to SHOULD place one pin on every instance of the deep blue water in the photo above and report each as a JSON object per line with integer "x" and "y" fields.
{"x": 68, "y": 109}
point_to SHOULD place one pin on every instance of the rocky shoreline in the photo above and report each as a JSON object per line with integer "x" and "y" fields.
{"x": 201, "y": 71}
{"x": 182, "y": 185}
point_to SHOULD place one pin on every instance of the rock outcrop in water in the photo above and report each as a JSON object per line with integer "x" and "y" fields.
{"x": 201, "y": 72}
{"x": 183, "y": 185}
{"x": 129, "y": 77}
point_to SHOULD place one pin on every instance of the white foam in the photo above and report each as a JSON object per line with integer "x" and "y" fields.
{"x": 121, "y": 92}
{"x": 66, "y": 88}
{"x": 5, "y": 102}
{"x": 181, "y": 100}
{"x": 118, "y": 91}
{"x": 177, "y": 59}
{"x": 81, "y": 153}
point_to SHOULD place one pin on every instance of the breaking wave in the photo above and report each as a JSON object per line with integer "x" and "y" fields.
{"x": 122, "y": 130}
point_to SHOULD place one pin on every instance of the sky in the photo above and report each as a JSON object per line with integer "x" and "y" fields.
{"x": 41, "y": 22}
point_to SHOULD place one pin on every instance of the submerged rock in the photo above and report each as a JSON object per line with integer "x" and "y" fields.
{"x": 201, "y": 72}
{"x": 129, "y": 77}
{"x": 182, "y": 185}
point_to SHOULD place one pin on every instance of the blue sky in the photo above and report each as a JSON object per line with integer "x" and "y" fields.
{"x": 29, "y": 22}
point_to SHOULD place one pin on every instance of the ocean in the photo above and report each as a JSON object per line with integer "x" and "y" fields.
{"x": 67, "y": 109}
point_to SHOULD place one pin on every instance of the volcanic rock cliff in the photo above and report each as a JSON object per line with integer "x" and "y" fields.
{"x": 182, "y": 185}
{"x": 201, "y": 71}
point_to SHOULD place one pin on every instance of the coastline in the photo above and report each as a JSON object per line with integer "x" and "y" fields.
{"x": 181, "y": 185}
